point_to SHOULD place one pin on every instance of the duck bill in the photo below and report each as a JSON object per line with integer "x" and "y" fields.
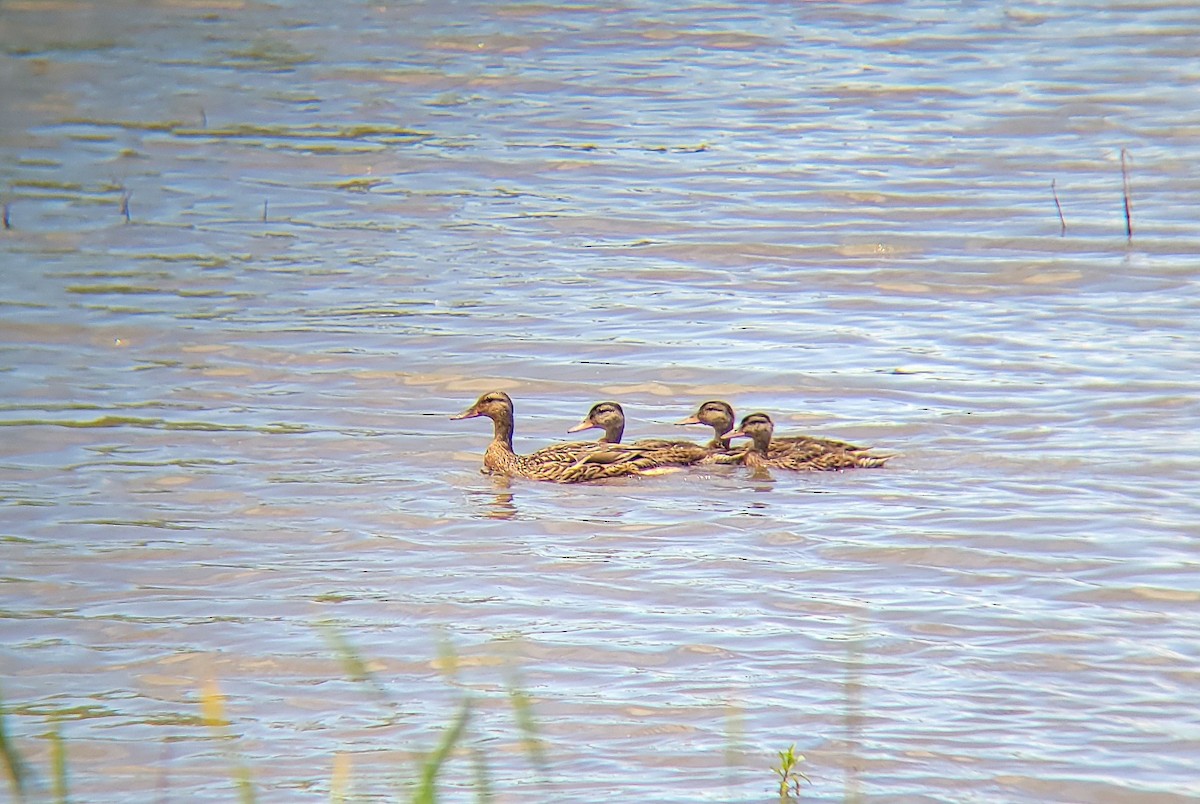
{"x": 586, "y": 424}
{"x": 469, "y": 413}
{"x": 736, "y": 434}
{"x": 689, "y": 420}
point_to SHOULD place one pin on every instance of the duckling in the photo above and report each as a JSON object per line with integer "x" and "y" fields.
{"x": 814, "y": 455}
{"x": 719, "y": 416}
{"x": 610, "y": 417}
{"x": 606, "y": 416}
{"x": 560, "y": 463}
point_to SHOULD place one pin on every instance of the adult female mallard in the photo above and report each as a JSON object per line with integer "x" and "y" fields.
{"x": 610, "y": 417}
{"x": 719, "y": 416}
{"x": 559, "y": 463}
{"x": 801, "y": 456}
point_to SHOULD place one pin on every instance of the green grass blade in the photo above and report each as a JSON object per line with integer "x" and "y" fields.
{"x": 355, "y": 666}
{"x": 14, "y": 766}
{"x": 483, "y": 782}
{"x": 522, "y": 706}
{"x": 447, "y": 658}
{"x": 427, "y": 792}
{"x": 339, "y": 781}
{"x": 212, "y": 707}
{"x": 58, "y": 763}
{"x": 735, "y": 731}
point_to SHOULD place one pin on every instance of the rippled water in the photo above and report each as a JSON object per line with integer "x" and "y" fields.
{"x": 225, "y": 420}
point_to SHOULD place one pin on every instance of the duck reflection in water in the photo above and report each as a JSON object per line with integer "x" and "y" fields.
{"x": 502, "y": 506}
{"x": 496, "y": 503}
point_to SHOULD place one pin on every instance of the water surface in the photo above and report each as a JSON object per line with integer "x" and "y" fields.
{"x": 225, "y": 419}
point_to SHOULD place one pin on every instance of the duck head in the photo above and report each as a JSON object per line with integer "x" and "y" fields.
{"x": 496, "y": 405}
{"x": 606, "y": 416}
{"x": 757, "y": 427}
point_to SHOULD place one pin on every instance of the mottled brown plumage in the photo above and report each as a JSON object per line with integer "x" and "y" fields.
{"x": 560, "y": 463}
{"x": 610, "y": 417}
{"x": 801, "y": 454}
{"x": 719, "y": 416}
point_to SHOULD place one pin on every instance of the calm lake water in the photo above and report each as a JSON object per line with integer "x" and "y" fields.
{"x": 226, "y": 442}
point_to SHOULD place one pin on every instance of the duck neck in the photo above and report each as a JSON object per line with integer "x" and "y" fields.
{"x": 719, "y": 440}
{"x": 499, "y": 458}
{"x": 502, "y": 432}
{"x": 755, "y": 455}
{"x": 760, "y": 445}
{"x": 613, "y": 433}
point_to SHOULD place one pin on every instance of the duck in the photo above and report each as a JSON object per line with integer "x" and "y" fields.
{"x": 719, "y": 416}
{"x": 803, "y": 454}
{"x": 575, "y": 462}
{"x": 610, "y": 417}
{"x": 606, "y": 416}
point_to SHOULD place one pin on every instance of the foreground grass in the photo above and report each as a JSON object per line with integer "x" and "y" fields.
{"x": 25, "y": 786}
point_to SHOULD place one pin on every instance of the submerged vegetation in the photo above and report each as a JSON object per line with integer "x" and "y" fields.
{"x": 431, "y": 767}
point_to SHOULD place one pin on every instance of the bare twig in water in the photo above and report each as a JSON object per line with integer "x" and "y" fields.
{"x": 203, "y": 118}
{"x": 1125, "y": 192}
{"x": 7, "y": 221}
{"x": 125, "y": 196}
{"x": 1061, "y": 220}
{"x": 264, "y": 220}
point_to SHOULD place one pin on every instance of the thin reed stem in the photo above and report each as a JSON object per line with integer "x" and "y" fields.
{"x": 1125, "y": 193}
{"x": 1061, "y": 220}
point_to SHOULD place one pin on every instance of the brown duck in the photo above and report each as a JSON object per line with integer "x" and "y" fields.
{"x": 606, "y": 416}
{"x": 610, "y": 417}
{"x": 803, "y": 455}
{"x": 559, "y": 463}
{"x": 719, "y": 416}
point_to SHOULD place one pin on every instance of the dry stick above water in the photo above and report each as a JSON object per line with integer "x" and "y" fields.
{"x": 1125, "y": 192}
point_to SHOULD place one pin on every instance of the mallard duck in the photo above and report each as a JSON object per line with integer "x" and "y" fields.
{"x": 719, "y": 416}
{"x": 606, "y": 416}
{"x": 610, "y": 417}
{"x": 814, "y": 454}
{"x": 559, "y": 463}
